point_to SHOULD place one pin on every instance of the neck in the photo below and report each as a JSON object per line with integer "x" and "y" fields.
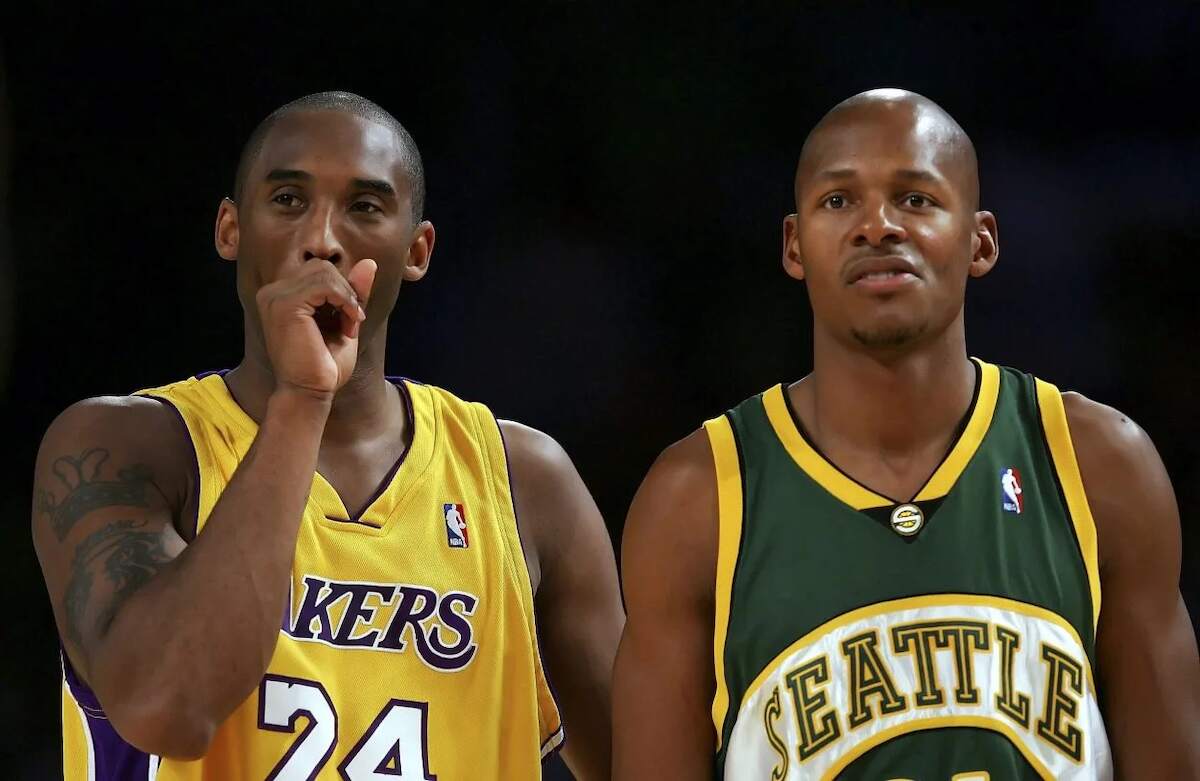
{"x": 891, "y": 403}
{"x": 365, "y": 406}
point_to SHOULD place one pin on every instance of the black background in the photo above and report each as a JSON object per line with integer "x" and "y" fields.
{"x": 608, "y": 185}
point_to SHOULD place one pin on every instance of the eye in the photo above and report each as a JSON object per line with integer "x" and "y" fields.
{"x": 365, "y": 207}
{"x": 835, "y": 201}
{"x": 287, "y": 200}
{"x": 917, "y": 200}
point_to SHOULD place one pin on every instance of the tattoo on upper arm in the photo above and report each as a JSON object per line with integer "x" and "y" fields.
{"x": 87, "y": 492}
{"x": 122, "y": 554}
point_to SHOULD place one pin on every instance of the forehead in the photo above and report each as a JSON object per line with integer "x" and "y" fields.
{"x": 879, "y": 141}
{"x": 331, "y": 143}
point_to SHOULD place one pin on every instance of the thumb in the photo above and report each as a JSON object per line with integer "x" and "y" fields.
{"x": 361, "y": 278}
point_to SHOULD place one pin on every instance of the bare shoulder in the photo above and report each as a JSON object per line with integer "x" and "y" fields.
{"x": 1127, "y": 485}
{"x": 137, "y": 425}
{"x": 1099, "y": 427}
{"x": 675, "y": 510}
{"x": 543, "y": 478}
{"x": 556, "y": 514}
{"x": 535, "y": 452}
{"x": 682, "y": 476}
{"x": 136, "y": 439}
{"x": 1114, "y": 453}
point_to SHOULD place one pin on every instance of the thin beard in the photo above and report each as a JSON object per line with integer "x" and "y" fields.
{"x": 891, "y": 338}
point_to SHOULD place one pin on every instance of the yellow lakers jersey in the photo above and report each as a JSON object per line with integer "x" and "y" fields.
{"x": 408, "y": 649}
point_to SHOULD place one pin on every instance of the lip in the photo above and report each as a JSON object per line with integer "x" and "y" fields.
{"x": 881, "y": 273}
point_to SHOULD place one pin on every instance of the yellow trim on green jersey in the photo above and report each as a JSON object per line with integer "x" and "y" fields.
{"x": 729, "y": 537}
{"x": 979, "y": 722}
{"x": 813, "y": 463}
{"x": 1062, "y": 452}
{"x": 972, "y": 436}
{"x": 858, "y": 496}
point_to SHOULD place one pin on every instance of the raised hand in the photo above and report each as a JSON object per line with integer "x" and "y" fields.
{"x": 311, "y": 323}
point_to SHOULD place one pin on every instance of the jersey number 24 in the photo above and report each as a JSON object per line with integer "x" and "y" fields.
{"x": 393, "y": 748}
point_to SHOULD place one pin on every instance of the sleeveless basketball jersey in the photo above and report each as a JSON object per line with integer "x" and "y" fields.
{"x": 950, "y": 637}
{"x": 407, "y": 650}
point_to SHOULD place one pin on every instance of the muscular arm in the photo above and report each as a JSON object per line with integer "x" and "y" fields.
{"x": 170, "y": 637}
{"x": 577, "y": 600}
{"x": 1147, "y": 661}
{"x": 664, "y": 682}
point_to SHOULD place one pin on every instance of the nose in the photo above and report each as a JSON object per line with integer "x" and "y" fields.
{"x": 318, "y": 237}
{"x": 879, "y": 226}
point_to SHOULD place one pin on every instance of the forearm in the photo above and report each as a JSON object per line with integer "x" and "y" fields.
{"x": 218, "y": 605}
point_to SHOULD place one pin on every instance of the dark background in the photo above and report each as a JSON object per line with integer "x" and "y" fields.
{"x": 607, "y": 186}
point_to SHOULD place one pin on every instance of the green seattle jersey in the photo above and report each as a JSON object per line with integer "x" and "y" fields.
{"x": 947, "y": 637}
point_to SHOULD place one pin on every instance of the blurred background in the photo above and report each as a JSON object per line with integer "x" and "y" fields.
{"x": 607, "y": 184}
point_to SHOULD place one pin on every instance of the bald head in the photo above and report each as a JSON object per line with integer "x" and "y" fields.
{"x": 346, "y": 103}
{"x": 901, "y": 117}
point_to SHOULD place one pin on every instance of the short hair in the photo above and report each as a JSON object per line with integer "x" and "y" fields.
{"x": 349, "y": 103}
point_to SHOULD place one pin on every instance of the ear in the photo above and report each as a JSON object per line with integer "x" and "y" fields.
{"x": 985, "y": 244}
{"x": 227, "y": 232}
{"x": 793, "y": 265}
{"x": 419, "y": 252}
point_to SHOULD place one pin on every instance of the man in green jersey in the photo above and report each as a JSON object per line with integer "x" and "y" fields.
{"x": 909, "y": 564}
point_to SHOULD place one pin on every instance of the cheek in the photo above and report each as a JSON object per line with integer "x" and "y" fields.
{"x": 821, "y": 247}
{"x": 944, "y": 246}
{"x": 264, "y": 248}
{"x": 823, "y": 232}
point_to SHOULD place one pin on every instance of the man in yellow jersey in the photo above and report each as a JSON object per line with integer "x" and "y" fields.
{"x": 302, "y": 569}
{"x": 910, "y": 564}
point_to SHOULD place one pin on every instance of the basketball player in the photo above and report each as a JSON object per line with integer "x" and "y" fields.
{"x": 301, "y": 569}
{"x": 830, "y": 581}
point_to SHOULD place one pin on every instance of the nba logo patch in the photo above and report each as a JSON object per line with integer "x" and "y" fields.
{"x": 1012, "y": 497}
{"x": 456, "y": 525}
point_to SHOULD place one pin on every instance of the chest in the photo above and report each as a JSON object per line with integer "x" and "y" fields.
{"x": 808, "y": 557}
{"x": 361, "y": 473}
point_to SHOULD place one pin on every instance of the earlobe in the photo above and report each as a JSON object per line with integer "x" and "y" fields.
{"x": 226, "y": 232}
{"x": 420, "y": 252}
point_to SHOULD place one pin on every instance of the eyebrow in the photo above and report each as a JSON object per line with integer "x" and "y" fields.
{"x": 288, "y": 174}
{"x": 910, "y": 174}
{"x": 293, "y": 174}
{"x": 918, "y": 175}
{"x": 377, "y": 185}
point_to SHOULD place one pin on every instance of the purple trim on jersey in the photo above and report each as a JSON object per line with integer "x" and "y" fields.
{"x": 82, "y": 693}
{"x": 358, "y": 521}
{"x": 195, "y": 459}
{"x": 115, "y": 759}
{"x": 218, "y": 372}
{"x": 399, "y": 382}
{"x": 387, "y": 481}
{"x": 557, "y": 748}
{"x": 512, "y": 495}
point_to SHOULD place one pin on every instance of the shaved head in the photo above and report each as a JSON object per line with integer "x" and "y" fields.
{"x": 346, "y": 103}
{"x": 887, "y": 228}
{"x": 895, "y": 108}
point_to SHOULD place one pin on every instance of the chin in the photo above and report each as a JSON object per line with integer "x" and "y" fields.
{"x": 889, "y": 336}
